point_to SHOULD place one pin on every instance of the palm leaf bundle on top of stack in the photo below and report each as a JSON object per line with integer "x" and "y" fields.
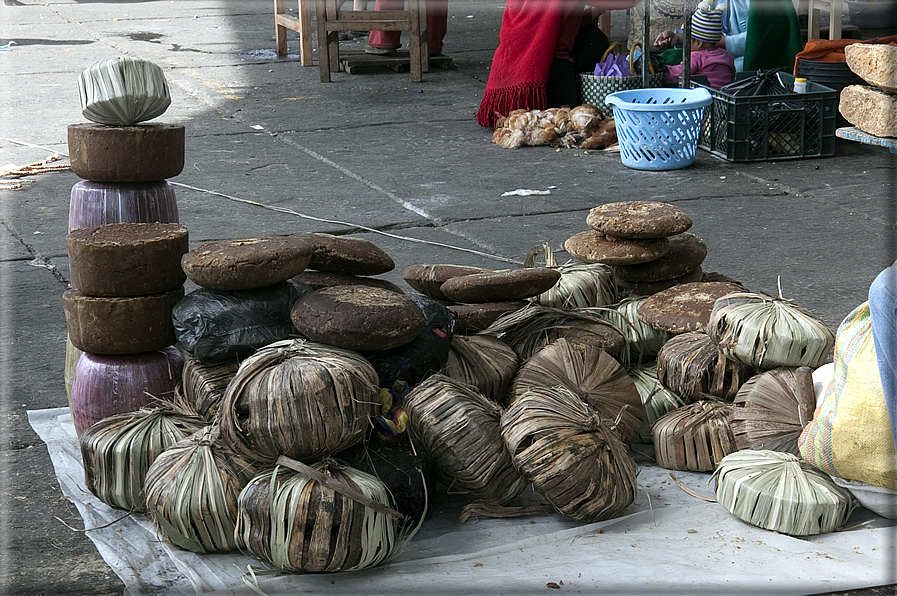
{"x": 581, "y": 285}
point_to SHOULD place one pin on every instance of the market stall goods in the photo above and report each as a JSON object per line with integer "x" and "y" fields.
{"x": 693, "y": 366}
{"x": 323, "y": 279}
{"x": 500, "y": 286}
{"x": 120, "y": 325}
{"x": 570, "y": 453}
{"x": 123, "y": 91}
{"x": 347, "y": 255}
{"x": 876, "y": 63}
{"x": 684, "y": 307}
{"x": 643, "y": 340}
{"x": 871, "y": 110}
{"x": 477, "y": 317}
{"x": 428, "y": 278}
{"x": 484, "y": 362}
{"x": 298, "y": 398}
{"x": 649, "y": 288}
{"x": 97, "y": 203}
{"x": 592, "y": 375}
{"x": 202, "y": 386}
{"x": 657, "y": 400}
{"x": 127, "y": 259}
{"x": 358, "y": 317}
{"x": 638, "y": 219}
{"x": 139, "y": 153}
{"x": 686, "y": 254}
{"x": 695, "y": 437}
{"x": 592, "y": 246}
{"x": 459, "y": 429}
{"x": 246, "y": 263}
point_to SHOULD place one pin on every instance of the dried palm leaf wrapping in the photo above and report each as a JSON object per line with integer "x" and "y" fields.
{"x": 772, "y": 408}
{"x": 693, "y": 366}
{"x": 117, "y": 452}
{"x": 592, "y": 375}
{"x": 780, "y": 492}
{"x": 581, "y": 285}
{"x": 297, "y": 523}
{"x": 530, "y": 329}
{"x": 298, "y": 398}
{"x": 458, "y": 428}
{"x": 694, "y": 437}
{"x": 203, "y": 385}
{"x": 483, "y": 362}
{"x": 657, "y": 400}
{"x": 192, "y": 489}
{"x": 570, "y": 454}
{"x": 767, "y": 332}
{"x": 123, "y": 91}
{"x": 644, "y": 341}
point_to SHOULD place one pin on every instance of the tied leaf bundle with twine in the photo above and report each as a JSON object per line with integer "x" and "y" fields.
{"x": 589, "y": 373}
{"x": 458, "y": 428}
{"x": 192, "y": 490}
{"x": 483, "y": 362}
{"x": 298, "y": 398}
{"x": 202, "y": 386}
{"x": 570, "y": 454}
{"x": 657, "y": 400}
{"x": 123, "y": 91}
{"x": 581, "y": 285}
{"x": 780, "y": 492}
{"x": 694, "y": 437}
{"x": 118, "y": 451}
{"x": 766, "y": 332}
{"x": 644, "y": 341}
{"x": 693, "y": 366}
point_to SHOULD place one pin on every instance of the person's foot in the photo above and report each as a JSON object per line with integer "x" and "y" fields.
{"x": 379, "y": 51}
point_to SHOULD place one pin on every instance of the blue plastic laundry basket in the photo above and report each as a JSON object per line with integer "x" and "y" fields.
{"x": 658, "y": 129}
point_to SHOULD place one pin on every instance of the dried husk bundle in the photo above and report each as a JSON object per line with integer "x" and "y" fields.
{"x": 589, "y": 373}
{"x": 192, "y": 490}
{"x": 657, "y": 400}
{"x": 298, "y": 398}
{"x": 782, "y": 493}
{"x": 483, "y": 362}
{"x": 581, "y": 285}
{"x": 123, "y": 91}
{"x": 202, "y": 386}
{"x": 570, "y": 454}
{"x": 118, "y": 451}
{"x": 693, "y": 366}
{"x": 772, "y": 408}
{"x": 644, "y": 341}
{"x": 767, "y": 332}
{"x": 530, "y": 329}
{"x": 459, "y": 429}
{"x": 298, "y": 523}
{"x": 694, "y": 437}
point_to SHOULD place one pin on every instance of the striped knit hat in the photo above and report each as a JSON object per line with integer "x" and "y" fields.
{"x": 707, "y": 22}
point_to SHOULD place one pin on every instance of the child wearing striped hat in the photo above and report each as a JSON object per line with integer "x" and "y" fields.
{"x": 707, "y": 59}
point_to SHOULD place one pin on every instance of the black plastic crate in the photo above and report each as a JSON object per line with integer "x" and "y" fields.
{"x": 768, "y": 127}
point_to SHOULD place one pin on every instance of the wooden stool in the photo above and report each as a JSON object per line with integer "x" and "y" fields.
{"x": 300, "y": 24}
{"x": 834, "y": 8}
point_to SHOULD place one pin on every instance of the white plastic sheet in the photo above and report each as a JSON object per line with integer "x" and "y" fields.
{"x": 670, "y": 542}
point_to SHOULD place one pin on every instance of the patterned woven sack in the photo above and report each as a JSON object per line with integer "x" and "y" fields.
{"x": 850, "y": 434}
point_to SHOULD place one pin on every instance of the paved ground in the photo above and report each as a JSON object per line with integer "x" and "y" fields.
{"x": 404, "y": 165}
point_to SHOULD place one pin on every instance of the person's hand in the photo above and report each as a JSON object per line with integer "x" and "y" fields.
{"x": 667, "y": 39}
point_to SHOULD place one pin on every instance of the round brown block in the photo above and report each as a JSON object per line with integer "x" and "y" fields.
{"x": 246, "y": 263}
{"x": 685, "y": 307}
{"x": 428, "y": 279}
{"x": 139, "y": 153}
{"x": 638, "y": 219}
{"x": 647, "y": 288}
{"x": 104, "y": 325}
{"x": 476, "y": 317}
{"x": 686, "y": 254}
{"x": 500, "y": 286}
{"x": 592, "y": 246}
{"x": 347, "y": 255}
{"x": 127, "y": 259}
{"x": 323, "y": 279}
{"x": 358, "y": 317}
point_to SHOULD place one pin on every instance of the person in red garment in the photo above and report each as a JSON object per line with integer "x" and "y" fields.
{"x": 387, "y": 42}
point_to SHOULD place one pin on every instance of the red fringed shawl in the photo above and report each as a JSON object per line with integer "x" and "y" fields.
{"x": 526, "y": 47}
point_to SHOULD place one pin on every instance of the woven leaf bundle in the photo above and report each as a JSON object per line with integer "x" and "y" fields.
{"x": 298, "y": 398}
{"x": 644, "y": 341}
{"x": 483, "y": 362}
{"x": 459, "y": 429}
{"x": 780, "y": 492}
{"x": 694, "y": 437}
{"x": 657, "y": 400}
{"x": 118, "y": 451}
{"x": 530, "y": 329}
{"x": 202, "y": 386}
{"x": 592, "y": 375}
{"x": 581, "y": 285}
{"x": 767, "y": 332}
{"x": 192, "y": 490}
{"x": 693, "y": 366}
{"x": 123, "y": 91}
{"x": 570, "y": 454}
{"x": 301, "y": 523}
{"x": 772, "y": 408}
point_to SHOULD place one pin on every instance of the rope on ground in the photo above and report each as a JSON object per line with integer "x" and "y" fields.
{"x": 38, "y": 167}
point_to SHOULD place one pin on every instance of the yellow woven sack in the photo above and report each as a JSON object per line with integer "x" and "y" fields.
{"x": 850, "y": 434}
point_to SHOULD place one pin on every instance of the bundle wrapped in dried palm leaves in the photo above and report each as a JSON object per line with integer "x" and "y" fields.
{"x": 694, "y": 367}
{"x": 644, "y": 341}
{"x": 298, "y": 398}
{"x": 780, "y": 492}
{"x": 768, "y": 332}
{"x": 772, "y": 408}
{"x": 581, "y": 285}
{"x": 117, "y": 452}
{"x": 458, "y": 428}
{"x": 657, "y": 400}
{"x": 192, "y": 490}
{"x": 530, "y": 329}
{"x": 202, "y": 386}
{"x": 327, "y": 518}
{"x": 694, "y": 437}
{"x": 570, "y": 454}
{"x": 483, "y": 362}
{"x": 589, "y": 373}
